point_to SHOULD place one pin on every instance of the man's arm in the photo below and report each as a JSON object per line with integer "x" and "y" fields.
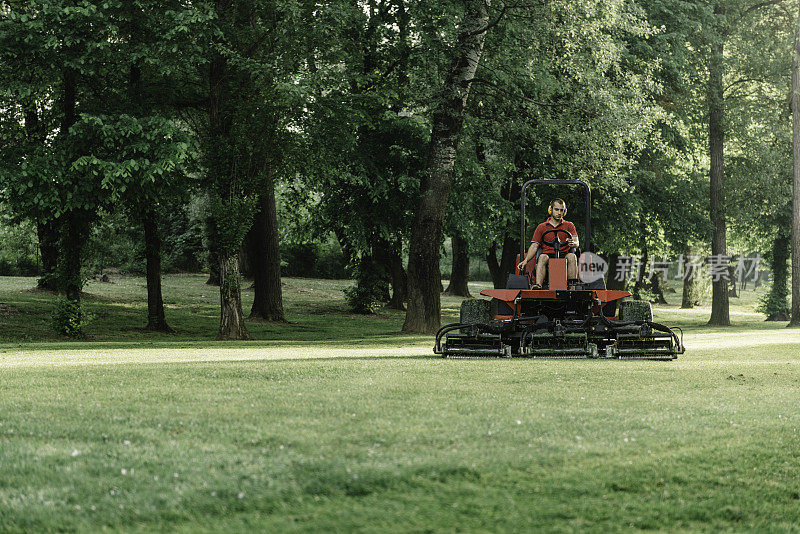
{"x": 573, "y": 241}
{"x": 529, "y": 256}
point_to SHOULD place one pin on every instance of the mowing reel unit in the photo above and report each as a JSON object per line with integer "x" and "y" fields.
{"x": 555, "y": 322}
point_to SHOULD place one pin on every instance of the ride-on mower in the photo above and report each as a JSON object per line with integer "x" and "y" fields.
{"x": 554, "y": 321}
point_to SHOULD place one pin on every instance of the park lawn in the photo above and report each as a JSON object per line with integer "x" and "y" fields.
{"x": 336, "y": 422}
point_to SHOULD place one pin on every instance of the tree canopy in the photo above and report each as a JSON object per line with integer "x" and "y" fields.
{"x": 386, "y": 127}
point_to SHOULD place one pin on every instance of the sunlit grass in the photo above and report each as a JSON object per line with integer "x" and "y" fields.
{"x": 336, "y": 422}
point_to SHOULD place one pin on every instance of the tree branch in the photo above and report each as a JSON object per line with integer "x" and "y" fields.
{"x": 490, "y": 83}
{"x": 740, "y": 81}
{"x": 489, "y": 26}
{"x": 495, "y": 22}
{"x": 754, "y": 7}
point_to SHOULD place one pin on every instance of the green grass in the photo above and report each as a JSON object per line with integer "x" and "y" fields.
{"x": 336, "y": 422}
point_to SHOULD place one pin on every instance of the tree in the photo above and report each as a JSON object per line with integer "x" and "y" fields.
{"x": 424, "y": 277}
{"x": 262, "y": 242}
{"x": 795, "y": 316}
{"x": 459, "y": 275}
{"x": 251, "y": 67}
{"x": 758, "y": 137}
{"x": 55, "y": 61}
{"x": 716, "y": 141}
{"x": 142, "y": 162}
{"x": 101, "y": 140}
{"x": 729, "y": 18}
{"x": 367, "y": 134}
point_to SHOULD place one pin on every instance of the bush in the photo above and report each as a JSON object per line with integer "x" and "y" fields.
{"x": 27, "y": 266}
{"x": 774, "y": 304}
{"x": 69, "y": 319}
{"x": 313, "y": 260}
{"x": 18, "y": 248}
{"x": 367, "y": 295}
{"x": 6, "y": 267}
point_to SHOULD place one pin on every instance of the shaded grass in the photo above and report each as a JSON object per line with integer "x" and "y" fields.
{"x": 371, "y": 433}
{"x": 315, "y": 309}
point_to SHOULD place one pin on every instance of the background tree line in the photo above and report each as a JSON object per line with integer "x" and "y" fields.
{"x": 350, "y": 137}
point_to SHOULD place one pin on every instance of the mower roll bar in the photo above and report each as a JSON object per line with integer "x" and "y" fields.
{"x": 587, "y": 227}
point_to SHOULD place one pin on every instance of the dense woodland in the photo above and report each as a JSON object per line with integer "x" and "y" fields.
{"x": 355, "y": 138}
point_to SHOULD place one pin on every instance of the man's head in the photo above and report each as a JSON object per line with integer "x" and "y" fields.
{"x": 557, "y": 209}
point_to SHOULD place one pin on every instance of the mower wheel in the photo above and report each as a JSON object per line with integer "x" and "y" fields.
{"x": 476, "y": 311}
{"x": 635, "y": 310}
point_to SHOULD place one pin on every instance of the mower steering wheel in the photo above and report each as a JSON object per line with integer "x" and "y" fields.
{"x": 556, "y": 243}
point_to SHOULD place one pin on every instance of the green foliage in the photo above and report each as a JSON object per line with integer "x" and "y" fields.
{"x": 313, "y": 260}
{"x": 182, "y": 237}
{"x": 70, "y": 319}
{"x": 330, "y": 102}
{"x": 117, "y": 240}
{"x": 18, "y": 248}
{"x": 368, "y": 293}
{"x": 233, "y": 217}
{"x": 774, "y": 304}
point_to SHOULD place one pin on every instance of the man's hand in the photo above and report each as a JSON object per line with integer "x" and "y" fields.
{"x": 573, "y": 242}
{"x": 521, "y": 265}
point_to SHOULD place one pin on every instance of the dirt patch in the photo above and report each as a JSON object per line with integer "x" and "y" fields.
{"x": 38, "y": 290}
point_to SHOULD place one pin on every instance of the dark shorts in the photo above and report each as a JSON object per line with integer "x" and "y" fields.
{"x": 553, "y": 254}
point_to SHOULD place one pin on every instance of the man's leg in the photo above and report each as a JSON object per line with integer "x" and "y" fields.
{"x": 541, "y": 268}
{"x": 572, "y": 267}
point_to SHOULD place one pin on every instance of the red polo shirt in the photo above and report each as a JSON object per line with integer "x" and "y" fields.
{"x": 542, "y": 228}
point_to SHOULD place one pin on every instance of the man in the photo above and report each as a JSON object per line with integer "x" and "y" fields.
{"x": 557, "y": 210}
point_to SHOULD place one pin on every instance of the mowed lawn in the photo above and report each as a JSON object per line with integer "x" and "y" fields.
{"x": 336, "y": 422}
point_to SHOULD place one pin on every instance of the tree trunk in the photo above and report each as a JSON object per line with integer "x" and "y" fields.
{"x": 424, "y": 277}
{"x": 494, "y": 267}
{"x": 508, "y": 257}
{"x": 265, "y": 260}
{"x": 213, "y": 251}
{"x": 775, "y": 307}
{"x": 386, "y": 257}
{"x": 75, "y": 224}
{"x": 690, "y": 285}
{"x": 231, "y": 317}
{"x": 74, "y": 234}
{"x": 507, "y": 263}
{"x": 611, "y": 277}
{"x": 45, "y": 227}
{"x": 152, "y": 253}
{"x": 47, "y": 232}
{"x": 720, "y": 313}
{"x": 399, "y": 279}
{"x": 348, "y": 251}
{"x": 245, "y": 259}
{"x": 795, "y": 318}
{"x": 640, "y": 283}
{"x": 688, "y": 297}
{"x": 657, "y": 289}
{"x": 459, "y": 274}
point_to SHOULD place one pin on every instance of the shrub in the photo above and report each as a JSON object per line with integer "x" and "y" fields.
{"x": 774, "y": 304}
{"x": 69, "y": 319}
{"x": 313, "y": 260}
{"x": 367, "y": 295}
